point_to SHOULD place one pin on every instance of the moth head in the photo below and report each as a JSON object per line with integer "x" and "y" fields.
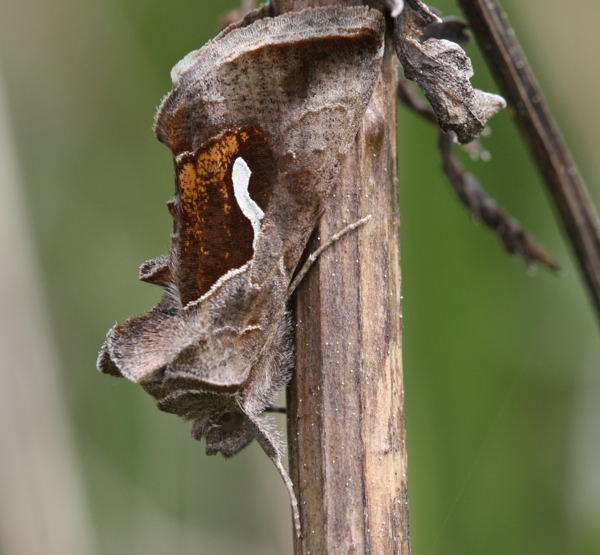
{"x": 226, "y": 431}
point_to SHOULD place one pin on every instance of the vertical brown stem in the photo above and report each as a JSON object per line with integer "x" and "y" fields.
{"x": 346, "y": 421}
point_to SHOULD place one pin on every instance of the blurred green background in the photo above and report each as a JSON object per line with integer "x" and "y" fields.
{"x": 502, "y": 366}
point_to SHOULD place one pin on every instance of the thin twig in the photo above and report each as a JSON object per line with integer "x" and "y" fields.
{"x": 483, "y": 207}
{"x": 507, "y": 62}
{"x": 408, "y": 96}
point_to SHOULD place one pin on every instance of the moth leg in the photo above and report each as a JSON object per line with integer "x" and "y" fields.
{"x": 270, "y": 443}
{"x": 312, "y": 258}
{"x": 276, "y": 408}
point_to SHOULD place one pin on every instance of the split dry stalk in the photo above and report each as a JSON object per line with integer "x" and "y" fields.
{"x": 346, "y": 420}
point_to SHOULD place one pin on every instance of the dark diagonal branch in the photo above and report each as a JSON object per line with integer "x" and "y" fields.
{"x": 514, "y": 76}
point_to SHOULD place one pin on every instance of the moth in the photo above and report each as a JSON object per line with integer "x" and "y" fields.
{"x": 258, "y": 121}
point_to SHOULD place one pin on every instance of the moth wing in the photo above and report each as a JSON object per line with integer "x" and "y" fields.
{"x": 273, "y": 72}
{"x": 140, "y": 347}
{"x": 301, "y": 81}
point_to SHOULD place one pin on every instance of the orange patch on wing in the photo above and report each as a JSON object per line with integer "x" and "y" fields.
{"x": 212, "y": 236}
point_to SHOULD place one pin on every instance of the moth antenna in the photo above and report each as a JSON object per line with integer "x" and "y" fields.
{"x": 267, "y": 439}
{"x": 312, "y": 257}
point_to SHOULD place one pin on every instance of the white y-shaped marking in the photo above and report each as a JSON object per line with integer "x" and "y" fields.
{"x": 240, "y": 175}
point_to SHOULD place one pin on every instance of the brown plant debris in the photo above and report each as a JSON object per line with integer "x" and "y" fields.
{"x": 443, "y": 70}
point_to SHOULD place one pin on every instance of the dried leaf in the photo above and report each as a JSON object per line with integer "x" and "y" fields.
{"x": 443, "y": 70}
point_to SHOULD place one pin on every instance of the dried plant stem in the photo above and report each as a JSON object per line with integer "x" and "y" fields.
{"x": 345, "y": 405}
{"x": 514, "y": 76}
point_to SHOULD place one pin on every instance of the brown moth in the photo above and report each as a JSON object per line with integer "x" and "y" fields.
{"x": 258, "y": 121}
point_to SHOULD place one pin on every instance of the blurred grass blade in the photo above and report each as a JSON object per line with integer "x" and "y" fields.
{"x": 42, "y": 506}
